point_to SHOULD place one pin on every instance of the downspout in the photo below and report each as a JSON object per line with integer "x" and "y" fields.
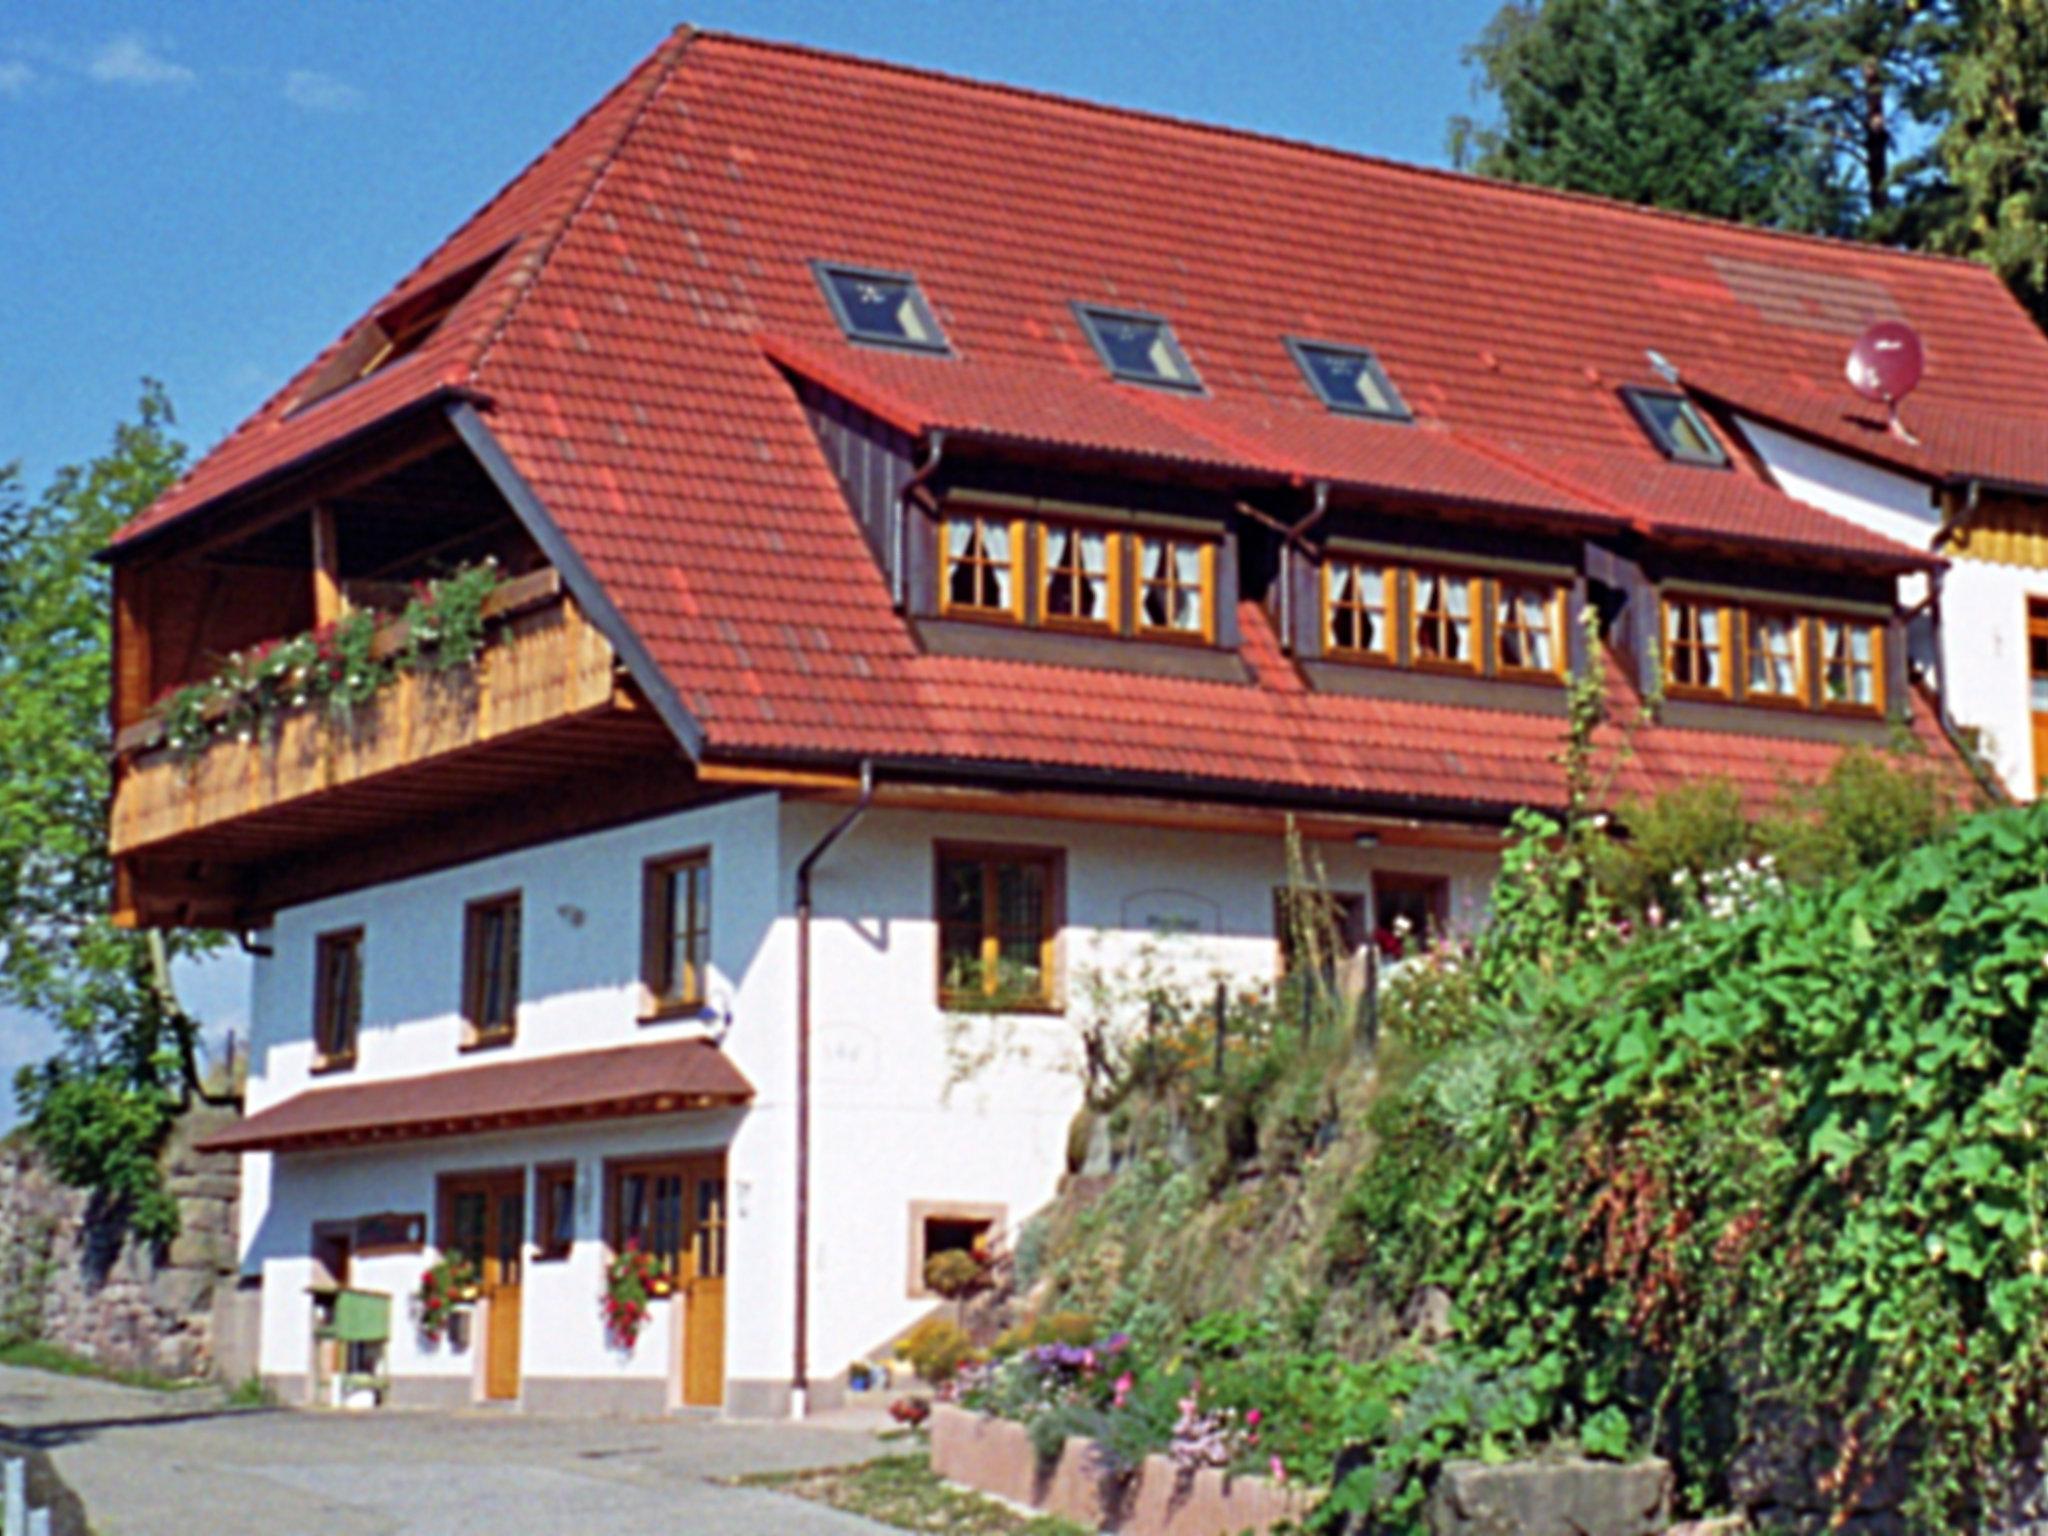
{"x": 1292, "y": 537}
{"x": 899, "y": 575}
{"x": 800, "y": 1371}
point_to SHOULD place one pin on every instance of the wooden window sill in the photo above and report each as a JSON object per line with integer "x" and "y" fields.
{"x": 489, "y": 1042}
{"x": 976, "y": 1003}
{"x": 323, "y": 1065}
{"x": 696, "y": 1011}
{"x": 1528, "y": 675}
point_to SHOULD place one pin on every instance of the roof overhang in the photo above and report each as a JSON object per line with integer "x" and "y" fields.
{"x": 629, "y": 1081}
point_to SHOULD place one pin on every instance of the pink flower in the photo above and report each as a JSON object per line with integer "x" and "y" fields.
{"x": 1124, "y": 1384}
{"x": 1277, "y": 1467}
{"x": 1253, "y": 1418}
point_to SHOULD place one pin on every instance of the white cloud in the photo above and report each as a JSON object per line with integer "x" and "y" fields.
{"x": 15, "y": 77}
{"x": 130, "y": 60}
{"x": 315, "y": 92}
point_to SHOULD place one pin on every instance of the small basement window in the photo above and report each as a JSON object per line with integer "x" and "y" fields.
{"x": 1676, "y": 427}
{"x": 938, "y": 1227}
{"x": 1137, "y": 347}
{"x": 1348, "y": 379}
{"x": 885, "y": 308}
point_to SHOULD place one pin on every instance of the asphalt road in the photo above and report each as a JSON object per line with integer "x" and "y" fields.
{"x": 181, "y": 1464}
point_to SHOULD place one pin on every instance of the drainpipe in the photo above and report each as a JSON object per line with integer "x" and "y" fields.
{"x": 800, "y": 1372}
{"x": 899, "y": 577}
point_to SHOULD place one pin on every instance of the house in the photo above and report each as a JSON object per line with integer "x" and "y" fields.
{"x": 942, "y": 538}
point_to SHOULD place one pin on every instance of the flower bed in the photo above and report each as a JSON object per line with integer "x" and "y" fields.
{"x": 1156, "y": 1498}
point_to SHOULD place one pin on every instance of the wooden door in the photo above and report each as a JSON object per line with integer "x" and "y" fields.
{"x": 486, "y": 1222}
{"x": 704, "y": 1286}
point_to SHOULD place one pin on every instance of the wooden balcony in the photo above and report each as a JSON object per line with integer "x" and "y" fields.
{"x": 199, "y": 838}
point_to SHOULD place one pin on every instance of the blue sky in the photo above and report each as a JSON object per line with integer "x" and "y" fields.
{"x": 206, "y": 193}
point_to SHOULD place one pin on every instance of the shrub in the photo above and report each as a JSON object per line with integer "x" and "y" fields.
{"x": 936, "y": 1349}
{"x": 955, "y": 1274}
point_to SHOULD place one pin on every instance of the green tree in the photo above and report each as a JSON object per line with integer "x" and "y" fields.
{"x": 1867, "y": 75}
{"x": 1681, "y": 104}
{"x": 126, "y": 1064}
{"x": 1994, "y": 147}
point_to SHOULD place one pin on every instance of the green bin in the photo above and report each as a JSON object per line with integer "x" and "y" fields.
{"x": 360, "y": 1317}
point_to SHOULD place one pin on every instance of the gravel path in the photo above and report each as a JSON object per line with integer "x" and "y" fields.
{"x": 182, "y": 1464}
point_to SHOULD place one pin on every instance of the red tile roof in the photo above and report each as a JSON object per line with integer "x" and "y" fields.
{"x": 632, "y": 1080}
{"x": 631, "y": 345}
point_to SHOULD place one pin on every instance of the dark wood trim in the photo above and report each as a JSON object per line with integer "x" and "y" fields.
{"x": 352, "y": 939}
{"x": 655, "y": 939}
{"x": 1062, "y": 647}
{"x": 548, "y": 1245}
{"x": 1382, "y": 680}
{"x": 483, "y": 1033}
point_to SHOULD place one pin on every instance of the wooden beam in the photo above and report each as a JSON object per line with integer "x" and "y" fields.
{"x": 328, "y": 604}
{"x": 769, "y": 776}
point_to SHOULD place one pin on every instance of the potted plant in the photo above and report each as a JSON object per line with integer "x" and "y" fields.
{"x": 449, "y": 1283}
{"x": 633, "y": 1280}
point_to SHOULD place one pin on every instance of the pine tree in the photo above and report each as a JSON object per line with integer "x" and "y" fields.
{"x": 1683, "y": 104}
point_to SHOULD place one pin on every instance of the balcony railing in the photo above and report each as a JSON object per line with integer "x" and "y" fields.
{"x": 543, "y": 664}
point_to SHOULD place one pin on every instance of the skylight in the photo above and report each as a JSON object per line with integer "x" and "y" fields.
{"x": 1676, "y": 426}
{"x": 1348, "y": 379}
{"x": 884, "y": 308}
{"x": 1137, "y": 347}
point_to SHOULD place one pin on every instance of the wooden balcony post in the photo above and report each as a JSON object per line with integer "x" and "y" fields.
{"x": 327, "y": 601}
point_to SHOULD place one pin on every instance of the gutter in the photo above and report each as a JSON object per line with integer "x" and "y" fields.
{"x": 800, "y": 1364}
{"x": 899, "y": 509}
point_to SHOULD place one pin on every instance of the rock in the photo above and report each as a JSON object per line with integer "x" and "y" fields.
{"x": 202, "y": 1250}
{"x": 182, "y": 1292}
{"x": 1552, "y": 1498}
{"x": 205, "y": 1186}
{"x": 1427, "y": 1317}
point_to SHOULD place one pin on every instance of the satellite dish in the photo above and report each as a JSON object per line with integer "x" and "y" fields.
{"x": 1885, "y": 365}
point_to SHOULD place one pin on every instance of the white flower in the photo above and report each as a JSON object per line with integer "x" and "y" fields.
{"x": 1680, "y": 876}
{"x": 1936, "y": 1248}
{"x": 2037, "y": 1261}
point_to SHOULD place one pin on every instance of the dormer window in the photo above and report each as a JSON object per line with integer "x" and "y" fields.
{"x": 1078, "y": 575}
{"x": 884, "y": 308}
{"x": 982, "y": 555}
{"x": 1677, "y": 428}
{"x": 1850, "y": 657}
{"x": 1443, "y": 608}
{"x": 1176, "y": 587}
{"x": 1137, "y": 347}
{"x": 1348, "y": 379}
{"x": 1696, "y": 647}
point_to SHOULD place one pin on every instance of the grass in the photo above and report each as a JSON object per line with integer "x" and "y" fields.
{"x": 40, "y": 1355}
{"x": 903, "y": 1491}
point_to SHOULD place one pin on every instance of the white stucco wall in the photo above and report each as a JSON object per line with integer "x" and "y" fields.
{"x": 1981, "y": 665}
{"x": 889, "y": 1126}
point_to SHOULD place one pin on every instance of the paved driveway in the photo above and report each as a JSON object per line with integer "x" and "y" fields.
{"x": 152, "y": 1464}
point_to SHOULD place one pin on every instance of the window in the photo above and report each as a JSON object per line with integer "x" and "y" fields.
{"x": 1850, "y": 655}
{"x": 1676, "y": 427}
{"x": 490, "y": 969}
{"x": 1527, "y": 619}
{"x": 1078, "y": 575}
{"x": 981, "y": 574}
{"x": 648, "y": 1210}
{"x": 1442, "y": 629}
{"x": 1695, "y": 646}
{"x": 938, "y": 1227}
{"x": 1348, "y": 379}
{"x": 337, "y": 998}
{"x": 554, "y": 1210}
{"x": 1409, "y": 911}
{"x": 1775, "y": 644}
{"x": 1176, "y": 586}
{"x": 1137, "y": 347}
{"x": 881, "y": 307}
{"x": 676, "y": 928}
{"x": 998, "y": 920}
{"x": 1358, "y": 609}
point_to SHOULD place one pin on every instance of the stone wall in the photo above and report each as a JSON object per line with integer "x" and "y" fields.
{"x": 79, "y": 1281}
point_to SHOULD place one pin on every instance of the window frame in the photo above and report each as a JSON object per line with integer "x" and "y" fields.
{"x": 1474, "y": 664}
{"x": 342, "y": 1058}
{"x": 1560, "y": 637}
{"x": 549, "y": 1244}
{"x": 1803, "y": 630}
{"x": 1879, "y": 656}
{"x": 481, "y": 1033}
{"x": 826, "y": 271}
{"x": 1207, "y": 544}
{"x": 1299, "y": 348}
{"x": 1020, "y": 567}
{"x": 992, "y": 1218}
{"x": 660, "y": 1000}
{"x": 1731, "y": 660}
{"x": 1389, "y": 654}
{"x": 1090, "y": 315}
{"x": 1049, "y": 998}
{"x": 1637, "y": 398}
{"x": 1041, "y": 569}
